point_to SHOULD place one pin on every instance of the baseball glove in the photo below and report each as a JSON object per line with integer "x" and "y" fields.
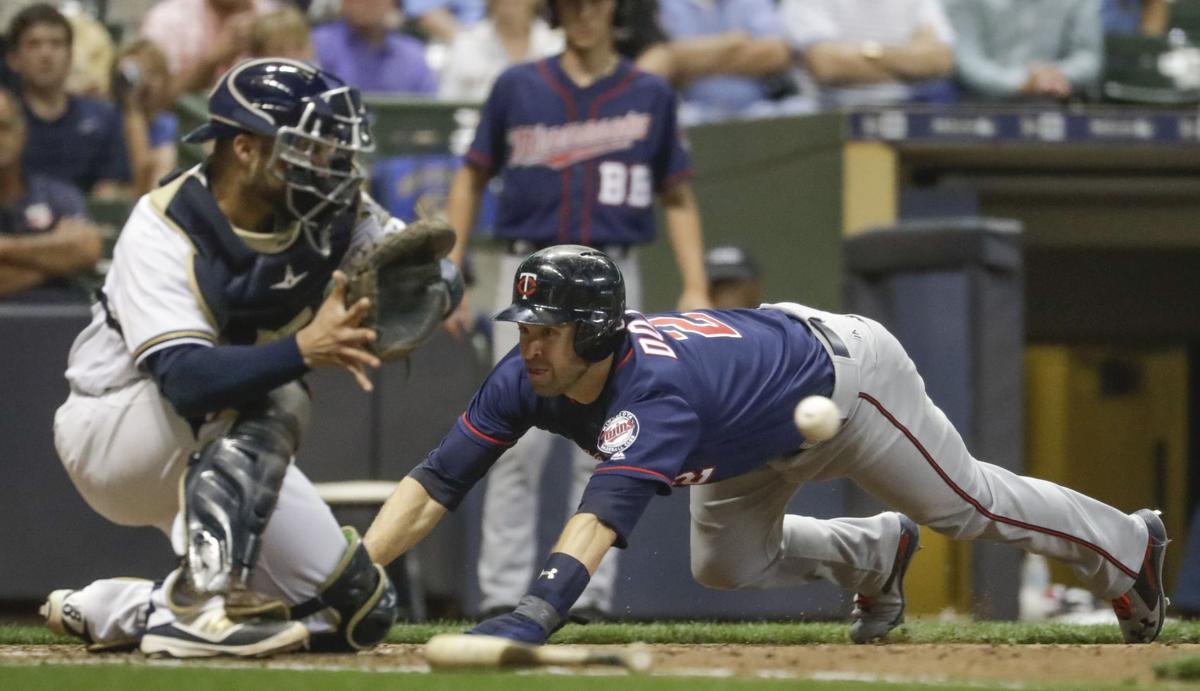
{"x": 411, "y": 286}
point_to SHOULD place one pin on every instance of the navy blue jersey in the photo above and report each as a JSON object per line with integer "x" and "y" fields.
{"x": 692, "y": 398}
{"x": 579, "y": 165}
{"x": 84, "y": 145}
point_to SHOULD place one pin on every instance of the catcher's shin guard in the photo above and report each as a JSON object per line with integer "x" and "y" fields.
{"x": 231, "y": 487}
{"x": 362, "y": 597}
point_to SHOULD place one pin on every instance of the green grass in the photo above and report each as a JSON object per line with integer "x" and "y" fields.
{"x": 140, "y": 677}
{"x": 753, "y": 633}
{"x": 1180, "y": 668}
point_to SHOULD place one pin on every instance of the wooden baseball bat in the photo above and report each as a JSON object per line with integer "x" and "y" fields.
{"x": 462, "y": 651}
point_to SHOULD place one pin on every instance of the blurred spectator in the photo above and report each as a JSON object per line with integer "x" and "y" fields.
{"x": 75, "y": 138}
{"x": 92, "y": 53}
{"x": 733, "y": 278}
{"x": 141, "y": 87}
{"x": 722, "y": 97}
{"x": 441, "y": 20}
{"x": 44, "y": 233}
{"x": 202, "y": 38}
{"x": 641, "y": 38}
{"x": 1130, "y": 17}
{"x": 283, "y": 33}
{"x": 511, "y": 33}
{"x": 362, "y": 49}
{"x": 866, "y": 52}
{"x": 1039, "y": 49}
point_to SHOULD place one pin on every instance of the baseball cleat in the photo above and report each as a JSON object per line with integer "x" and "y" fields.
{"x": 63, "y": 613}
{"x": 211, "y": 633}
{"x": 874, "y": 616}
{"x": 1142, "y": 609}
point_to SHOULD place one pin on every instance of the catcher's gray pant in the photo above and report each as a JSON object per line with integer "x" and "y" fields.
{"x": 897, "y": 445}
{"x": 510, "y": 509}
{"x": 125, "y": 452}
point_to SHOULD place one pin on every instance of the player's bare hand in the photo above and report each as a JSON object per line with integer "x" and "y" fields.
{"x": 460, "y": 322}
{"x": 334, "y": 338}
{"x": 693, "y": 299}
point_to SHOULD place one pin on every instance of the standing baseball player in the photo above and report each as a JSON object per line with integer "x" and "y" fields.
{"x": 186, "y": 404}
{"x": 583, "y": 143}
{"x": 705, "y": 399}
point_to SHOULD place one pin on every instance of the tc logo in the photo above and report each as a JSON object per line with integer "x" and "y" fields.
{"x": 549, "y": 574}
{"x": 526, "y": 284}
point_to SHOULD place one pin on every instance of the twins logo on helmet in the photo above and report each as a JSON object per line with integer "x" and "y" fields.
{"x": 526, "y": 284}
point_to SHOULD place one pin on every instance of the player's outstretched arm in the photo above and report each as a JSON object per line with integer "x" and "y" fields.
{"x": 334, "y": 338}
{"x": 405, "y": 519}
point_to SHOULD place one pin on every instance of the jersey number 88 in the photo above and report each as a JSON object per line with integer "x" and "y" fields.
{"x": 621, "y": 184}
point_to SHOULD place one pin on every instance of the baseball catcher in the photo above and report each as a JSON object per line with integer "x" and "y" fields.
{"x": 228, "y": 284}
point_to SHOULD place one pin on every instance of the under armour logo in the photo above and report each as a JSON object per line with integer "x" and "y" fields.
{"x": 549, "y": 573}
{"x": 290, "y": 279}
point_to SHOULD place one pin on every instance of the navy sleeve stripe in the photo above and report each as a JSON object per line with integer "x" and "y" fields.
{"x": 651, "y": 473}
{"x": 488, "y": 438}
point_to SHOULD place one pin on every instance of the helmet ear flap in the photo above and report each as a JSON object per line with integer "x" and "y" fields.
{"x": 594, "y": 342}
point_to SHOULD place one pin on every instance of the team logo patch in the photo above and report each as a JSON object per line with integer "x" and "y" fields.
{"x": 526, "y": 284}
{"x": 619, "y": 433}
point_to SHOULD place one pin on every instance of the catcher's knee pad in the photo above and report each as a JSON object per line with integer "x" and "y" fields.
{"x": 361, "y": 596}
{"x": 231, "y": 487}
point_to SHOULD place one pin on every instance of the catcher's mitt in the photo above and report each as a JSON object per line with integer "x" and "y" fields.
{"x": 403, "y": 275}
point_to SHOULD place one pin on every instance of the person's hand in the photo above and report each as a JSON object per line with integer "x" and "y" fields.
{"x": 334, "y": 338}
{"x": 1046, "y": 80}
{"x": 693, "y": 299}
{"x": 513, "y": 626}
{"x": 461, "y": 320}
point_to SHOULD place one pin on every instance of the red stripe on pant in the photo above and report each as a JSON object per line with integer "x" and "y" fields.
{"x": 979, "y": 507}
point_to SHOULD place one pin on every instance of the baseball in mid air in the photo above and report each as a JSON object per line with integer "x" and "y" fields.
{"x": 818, "y": 418}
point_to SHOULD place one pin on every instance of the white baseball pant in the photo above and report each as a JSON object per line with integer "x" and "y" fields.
{"x": 126, "y": 452}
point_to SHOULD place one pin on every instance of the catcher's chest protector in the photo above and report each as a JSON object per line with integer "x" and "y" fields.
{"x": 247, "y": 291}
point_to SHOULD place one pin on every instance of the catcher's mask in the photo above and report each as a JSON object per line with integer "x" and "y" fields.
{"x": 319, "y": 127}
{"x": 571, "y": 283}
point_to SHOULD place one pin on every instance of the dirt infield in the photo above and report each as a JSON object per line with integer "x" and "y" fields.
{"x": 1084, "y": 665}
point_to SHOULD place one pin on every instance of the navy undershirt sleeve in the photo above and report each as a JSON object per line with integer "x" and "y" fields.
{"x": 453, "y": 468}
{"x": 618, "y": 501}
{"x": 198, "y": 380}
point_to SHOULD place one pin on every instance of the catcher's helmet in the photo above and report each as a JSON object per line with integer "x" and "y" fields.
{"x": 318, "y": 122}
{"x": 572, "y": 283}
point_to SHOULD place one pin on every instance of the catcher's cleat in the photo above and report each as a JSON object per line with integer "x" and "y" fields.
{"x": 211, "y": 633}
{"x": 875, "y": 616}
{"x": 1142, "y": 609}
{"x": 63, "y": 613}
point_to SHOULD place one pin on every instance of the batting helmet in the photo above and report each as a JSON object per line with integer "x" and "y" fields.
{"x": 572, "y": 283}
{"x": 318, "y": 123}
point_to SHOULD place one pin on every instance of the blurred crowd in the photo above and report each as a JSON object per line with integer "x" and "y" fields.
{"x": 89, "y": 88}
